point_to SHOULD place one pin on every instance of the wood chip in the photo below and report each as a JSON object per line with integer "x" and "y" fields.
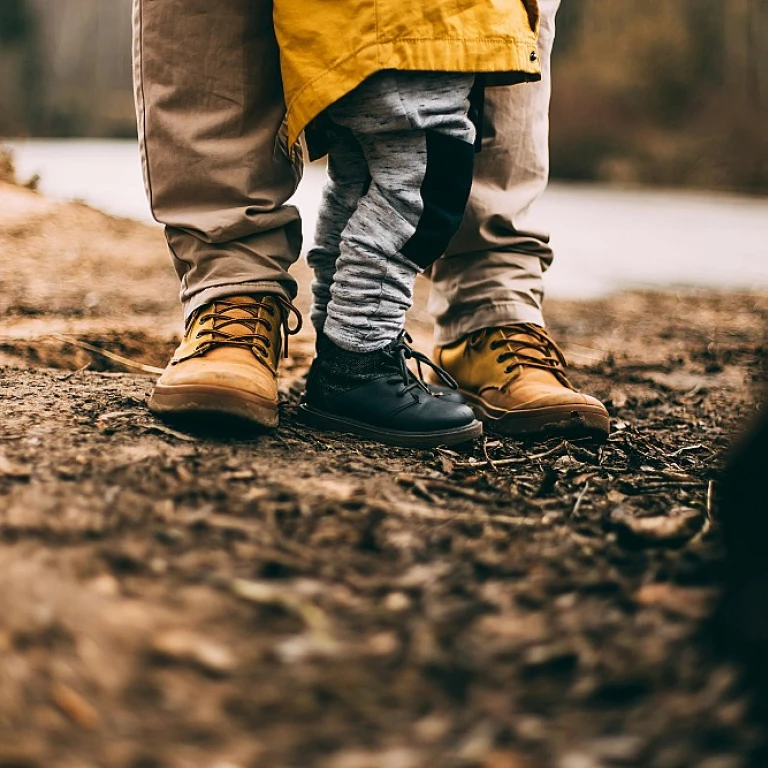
{"x": 75, "y": 706}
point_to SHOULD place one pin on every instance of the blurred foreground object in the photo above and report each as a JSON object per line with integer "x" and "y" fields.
{"x": 742, "y": 622}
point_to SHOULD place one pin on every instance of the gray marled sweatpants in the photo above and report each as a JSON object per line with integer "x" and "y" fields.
{"x": 399, "y": 175}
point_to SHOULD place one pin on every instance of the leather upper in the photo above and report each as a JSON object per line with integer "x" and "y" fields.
{"x": 233, "y": 344}
{"x": 517, "y": 367}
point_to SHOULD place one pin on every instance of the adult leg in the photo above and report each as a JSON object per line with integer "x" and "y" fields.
{"x": 218, "y": 174}
{"x": 487, "y": 291}
{"x": 492, "y": 272}
{"x": 348, "y": 181}
{"x": 210, "y": 109}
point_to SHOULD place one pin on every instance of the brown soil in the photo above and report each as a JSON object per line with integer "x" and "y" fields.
{"x": 295, "y": 599}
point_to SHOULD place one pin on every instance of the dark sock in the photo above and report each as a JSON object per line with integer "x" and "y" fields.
{"x": 336, "y": 370}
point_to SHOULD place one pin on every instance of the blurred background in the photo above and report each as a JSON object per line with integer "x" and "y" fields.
{"x": 671, "y": 92}
{"x": 648, "y": 94}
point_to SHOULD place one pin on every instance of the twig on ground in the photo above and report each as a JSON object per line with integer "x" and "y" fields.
{"x": 537, "y": 456}
{"x": 171, "y": 433}
{"x": 68, "y": 376}
{"x": 425, "y": 484}
{"x": 687, "y": 448}
{"x": 412, "y": 510}
{"x": 127, "y": 362}
{"x": 580, "y": 498}
{"x": 496, "y": 463}
{"x": 487, "y": 457}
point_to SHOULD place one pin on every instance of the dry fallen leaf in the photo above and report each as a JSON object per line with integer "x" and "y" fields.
{"x": 679, "y": 524}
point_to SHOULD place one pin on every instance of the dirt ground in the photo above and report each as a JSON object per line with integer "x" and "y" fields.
{"x": 176, "y": 600}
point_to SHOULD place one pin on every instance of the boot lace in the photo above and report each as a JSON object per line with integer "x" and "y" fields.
{"x": 402, "y": 352}
{"x": 524, "y": 344}
{"x": 261, "y": 324}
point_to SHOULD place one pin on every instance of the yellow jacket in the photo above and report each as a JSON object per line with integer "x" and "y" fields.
{"x": 328, "y": 47}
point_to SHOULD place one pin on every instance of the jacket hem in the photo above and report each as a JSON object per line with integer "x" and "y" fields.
{"x": 500, "y": 55}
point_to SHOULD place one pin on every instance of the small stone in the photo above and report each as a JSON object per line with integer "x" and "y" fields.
{"x": 183, "y": 646}
{"x": 158, "y": 566}
{"x": 578, "y": 760}
{"x": 432, "y": 728}
{"x": 531, "y": 729}
{"x": 397, "y": 602}
{"x": 105, "y": 585}
{"x": 550, "y": 658}
{"x": 619, "y": 750}
{"x": 302, "y": 648}
{"x": 383, "y": 644}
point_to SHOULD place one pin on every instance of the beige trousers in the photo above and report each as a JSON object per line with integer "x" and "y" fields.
{"x": 210, "y": 113}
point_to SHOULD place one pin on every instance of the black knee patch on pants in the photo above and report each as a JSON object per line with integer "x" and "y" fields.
{"x": 445, "y": 192}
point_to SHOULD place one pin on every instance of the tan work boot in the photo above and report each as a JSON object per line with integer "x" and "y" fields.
{"x": 514, "y": 379}
{"x": 227, "y": 361}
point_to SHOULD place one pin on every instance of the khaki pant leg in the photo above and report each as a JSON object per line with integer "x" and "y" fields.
{"x": 210, "y": 109}
{"x": 492, "y": 273}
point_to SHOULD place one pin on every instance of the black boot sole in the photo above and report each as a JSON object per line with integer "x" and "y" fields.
{"x": 328, "y": 421}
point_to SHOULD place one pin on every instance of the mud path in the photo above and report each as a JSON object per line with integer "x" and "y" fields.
{"x": 292, "y": 599}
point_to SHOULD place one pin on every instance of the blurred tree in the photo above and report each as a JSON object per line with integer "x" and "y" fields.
{"x": 20, "y": 94}
{"x": 662, "y": 91}
{"x": 15, "y": 21}
{"x": 648, "y": 91}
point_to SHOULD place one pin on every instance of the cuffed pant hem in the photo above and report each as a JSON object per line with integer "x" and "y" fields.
{"x": 490, "y": 316}
{"x": 200, "y": 299}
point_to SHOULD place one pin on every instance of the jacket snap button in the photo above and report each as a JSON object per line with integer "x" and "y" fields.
{"x": 533, "y": 56}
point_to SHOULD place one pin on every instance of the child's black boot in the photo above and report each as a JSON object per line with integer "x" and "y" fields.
{"x": 376, "y": 396}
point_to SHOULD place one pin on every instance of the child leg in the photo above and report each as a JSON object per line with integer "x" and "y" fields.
{"x": 415, "y": 135}
{"x": 348, "y": 180}
{"x": 418, "y": 141}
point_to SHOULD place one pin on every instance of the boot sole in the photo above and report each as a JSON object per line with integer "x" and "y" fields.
{"x": 203, "y": 402}
{"x": 323, "y": 420}
{"x": 560, "y": 421}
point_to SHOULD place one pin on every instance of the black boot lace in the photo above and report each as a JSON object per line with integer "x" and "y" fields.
{"x": 401, "y": 352}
